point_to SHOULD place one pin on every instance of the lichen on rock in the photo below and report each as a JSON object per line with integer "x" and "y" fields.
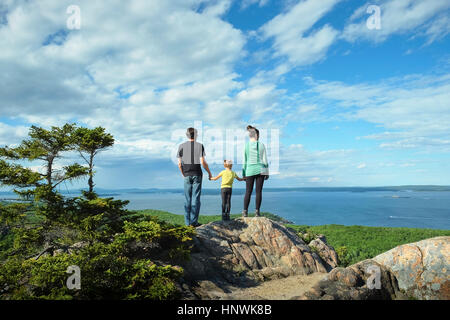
{"x": 421, "y": 268}
{"x": 244, "y": 252}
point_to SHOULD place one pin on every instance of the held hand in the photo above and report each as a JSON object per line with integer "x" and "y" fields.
{"x": 266, "y": 177}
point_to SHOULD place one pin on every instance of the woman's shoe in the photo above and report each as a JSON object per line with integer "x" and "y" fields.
{"x": 244, "y": 214}
{"x": 257, "y": 213}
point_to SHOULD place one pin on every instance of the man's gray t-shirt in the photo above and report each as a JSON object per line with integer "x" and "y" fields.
{"x": 190, "y": 153}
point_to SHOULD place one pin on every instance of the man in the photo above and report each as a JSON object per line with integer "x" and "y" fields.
{"x": 190, "y": 155}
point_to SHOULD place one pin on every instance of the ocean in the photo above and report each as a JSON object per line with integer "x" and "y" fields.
{"x": 382, "y": 206}
{"x": 412, "y": 209}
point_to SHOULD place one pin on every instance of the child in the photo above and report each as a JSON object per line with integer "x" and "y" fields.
{"x": 226, "y": 188}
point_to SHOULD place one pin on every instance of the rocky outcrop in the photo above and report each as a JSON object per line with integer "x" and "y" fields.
{"x": 243, "y": 252}
{"x": 326, "y": 252}
{"x": 357, "y": 282}
{"x": 229, "y": 257}
{"x": 422, "y": 268}
{"x": 418, "y": 270}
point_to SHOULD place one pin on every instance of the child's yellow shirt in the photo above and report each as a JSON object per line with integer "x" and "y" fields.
{"x": 227, "y": 178}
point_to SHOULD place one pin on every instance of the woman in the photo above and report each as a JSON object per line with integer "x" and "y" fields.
{"x": 255, "y": 170}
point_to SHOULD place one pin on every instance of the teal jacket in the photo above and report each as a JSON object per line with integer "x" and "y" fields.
{"x": 255, "y": 159}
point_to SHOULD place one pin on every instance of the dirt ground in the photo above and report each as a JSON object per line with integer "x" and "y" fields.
{"x": 280, "y": 289}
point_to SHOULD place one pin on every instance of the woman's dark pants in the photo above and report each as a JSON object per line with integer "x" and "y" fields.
{"x": 257, "y": 180}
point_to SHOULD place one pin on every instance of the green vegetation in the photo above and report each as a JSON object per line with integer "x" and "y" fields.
{"x": 352, "y": 243}
{"x": 119, "y": 253}
{"x": 89, "y": 143}
{"x": 356, "y": 243}
{"x": 116, "y": 269}
{"x": 179, "y": 219}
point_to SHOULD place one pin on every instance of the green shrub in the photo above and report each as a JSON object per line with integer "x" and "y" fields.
{"x": 344, "y": 258}
{"x": 108, "y": 270}
{"x": 308, "y": 235}
{"x": 120, "y": 255}
{"x": 364, "y": 242}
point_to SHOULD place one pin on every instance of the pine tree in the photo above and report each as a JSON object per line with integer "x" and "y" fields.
{"x": 46, "y": 146}
{"x": 89, "y": 143}
{"x": 48, "y": 232}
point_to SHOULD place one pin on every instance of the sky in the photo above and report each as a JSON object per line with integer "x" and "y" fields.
{"x": 346, "y": 93}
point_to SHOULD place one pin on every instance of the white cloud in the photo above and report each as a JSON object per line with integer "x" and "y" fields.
{"x": 247, "y": 3}
{"x": 218, "y": 8}
{"x": 294, "y": 36}
{"x": 10, "y": 135}
{"x": 181, "y": 47}
{"x": 417, "y": 142}
{"x": 437, "y": 29}
{"x": 400, "y": 17}
{"x": 413, "y": 110}
{"x": 257, "y": 102}
{"x": 361, "y": 166}
{"x": 144, "y": 69}
{"x": 307, "y": 108}
{"x": 301, "y": 166}
{"x": 139, "y": 68}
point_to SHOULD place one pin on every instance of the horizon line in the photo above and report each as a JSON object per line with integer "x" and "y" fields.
{"x": 285, "y": 187}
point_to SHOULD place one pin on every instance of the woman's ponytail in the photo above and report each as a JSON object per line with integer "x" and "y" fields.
{"x": 254, "y": 133}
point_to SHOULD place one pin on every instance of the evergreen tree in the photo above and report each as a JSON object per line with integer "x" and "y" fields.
{"x": 46, "y": 146}
{"x": 89, "y": 143}
{"x": 44, "y": 233}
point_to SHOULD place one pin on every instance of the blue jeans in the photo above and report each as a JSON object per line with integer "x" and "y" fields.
{"x": 192, "y": 192}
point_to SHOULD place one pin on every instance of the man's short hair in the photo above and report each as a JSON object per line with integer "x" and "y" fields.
{"x": 191, "y": 133}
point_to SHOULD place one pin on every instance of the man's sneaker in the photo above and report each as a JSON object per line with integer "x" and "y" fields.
{"x": 245, "y": 213}
{"x": 257, "y": 214}
{"x": 196, "y": 225}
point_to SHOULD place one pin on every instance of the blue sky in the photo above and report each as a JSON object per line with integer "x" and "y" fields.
{"x": 353, "y": 106}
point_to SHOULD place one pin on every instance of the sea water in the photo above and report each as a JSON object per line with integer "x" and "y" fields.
{"x": 412, "y": 209}
{"x": 421, "y": 209}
